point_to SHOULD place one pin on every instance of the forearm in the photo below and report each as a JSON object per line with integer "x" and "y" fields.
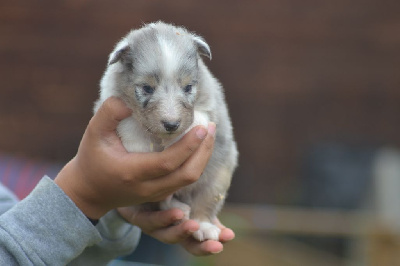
{"x": 46, "y": 228}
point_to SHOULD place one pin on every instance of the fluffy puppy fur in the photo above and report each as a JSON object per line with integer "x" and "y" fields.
{"x": 158, "y": 71}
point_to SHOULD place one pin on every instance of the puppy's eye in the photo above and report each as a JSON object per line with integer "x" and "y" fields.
{"x": 148, "y": 89}
{"x": 188, "y": 88}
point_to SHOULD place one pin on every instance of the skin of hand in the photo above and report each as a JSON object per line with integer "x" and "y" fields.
{"x": 103, "y": 175}
{"x": 162, "y": 226}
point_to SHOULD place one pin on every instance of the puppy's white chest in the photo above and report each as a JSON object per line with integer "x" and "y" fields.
{"x": 200, "y": 118}
{"x": 134, "y": 137}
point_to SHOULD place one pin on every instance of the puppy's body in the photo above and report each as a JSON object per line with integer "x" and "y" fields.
{"x": 159, "y": 73}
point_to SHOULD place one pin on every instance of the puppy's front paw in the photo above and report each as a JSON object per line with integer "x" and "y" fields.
{"x": 207, "y": 231}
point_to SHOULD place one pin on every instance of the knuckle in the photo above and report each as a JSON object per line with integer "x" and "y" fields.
{"x": 145, "y": 193}
{"x": 142, "y": 193}
{"x": 167, "y": 166}
{"x": 106, "y": 104}
{"x": 105, "y": 108}
{"x": 190, "y": 176}
{"x": 130, "y": 182}
{"x": 209, "y": 144}
{"x": 127, "y": 182}
{"x": 190, "y": 149}
{"x": 109, "y": 104}
{"x": 126, "y": 179}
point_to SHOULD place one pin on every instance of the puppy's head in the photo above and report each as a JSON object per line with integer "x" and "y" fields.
{"x": 158, "y": 72}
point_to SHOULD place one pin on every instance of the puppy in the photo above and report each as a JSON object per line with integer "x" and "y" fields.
{"x": 159, "y": 73}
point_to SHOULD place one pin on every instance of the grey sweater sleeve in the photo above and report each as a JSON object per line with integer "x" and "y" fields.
{"x": 46, "y": 228}
{"x": 7, "y": 199}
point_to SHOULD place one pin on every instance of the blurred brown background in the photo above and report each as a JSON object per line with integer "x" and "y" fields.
{"x": 296, "y": 73}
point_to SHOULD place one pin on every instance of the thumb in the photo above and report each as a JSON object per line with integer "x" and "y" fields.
{"x": 109, "y": 115}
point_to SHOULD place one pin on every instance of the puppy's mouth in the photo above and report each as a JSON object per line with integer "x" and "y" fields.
{"x": 163, "y": 133}
{"x": 170, "y": 134}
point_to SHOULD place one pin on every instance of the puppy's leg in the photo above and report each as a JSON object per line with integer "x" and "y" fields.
{"x": 207, "y": 230}
{"x": 208, "y": 202}
{"x": 172, "y": 202}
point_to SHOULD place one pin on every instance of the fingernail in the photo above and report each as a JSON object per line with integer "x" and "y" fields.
{"x": 193, "y": 230}
{"x": 190, "y": 232}
{"x": 201, "y": 133}
{"x": 211, "y": 128}
{"x": 216, "y": 252}
{"x": 178, "y": 218}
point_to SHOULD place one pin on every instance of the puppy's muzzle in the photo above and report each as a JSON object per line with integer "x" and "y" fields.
{"x": 171, "y": 126}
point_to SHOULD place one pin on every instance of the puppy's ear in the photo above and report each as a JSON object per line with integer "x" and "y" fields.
{"x": 120, "y": 53}
{"x": 202, "y": 46}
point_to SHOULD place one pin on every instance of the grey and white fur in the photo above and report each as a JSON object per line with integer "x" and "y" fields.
{"x": 159, "y": 73}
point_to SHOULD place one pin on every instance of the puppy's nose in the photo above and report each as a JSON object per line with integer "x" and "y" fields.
{"x": 171, "y": 126}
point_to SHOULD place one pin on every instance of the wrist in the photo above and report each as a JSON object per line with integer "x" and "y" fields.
{"x": 72, "y": 182}
{"x": 93, "y": 221}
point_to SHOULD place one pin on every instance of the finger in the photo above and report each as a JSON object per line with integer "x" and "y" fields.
{"x": 177, "y": 233}
{"x": 198, "y": 161}
{"x": 156, "y": 164}
{"x": 226, "y": 233}
{"x": 205, "y": 248}
{"x": 192, "y": 168}
{"x": 150, "y": 221}
{"x": 109, "y": 115}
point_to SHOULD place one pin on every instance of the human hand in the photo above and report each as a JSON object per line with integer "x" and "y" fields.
{"x": 104, "y": 176}
{"x": 161, "y": 225}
